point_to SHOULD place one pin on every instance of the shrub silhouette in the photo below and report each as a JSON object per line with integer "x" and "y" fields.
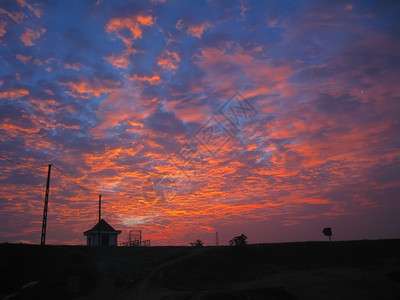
{"x": 197, "y": 243}
{"x": 239, "y": 240}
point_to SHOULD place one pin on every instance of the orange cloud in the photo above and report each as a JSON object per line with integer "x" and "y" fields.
{"x": 119, "y": 62}
{"x": 145, "y": 20}
{"x": 84, "y": 88}
{"x": 133, "y": 24}
{"x": 23, "y": 58}
{"x": 153, "y": 80}
{"x": 13, "y": 128}
{"x": 17, "y": 17}
{"x": 29, "y": 35}
{"x": 3, "y": 30}
{"x": 169, "y": 60}
{"x": 197, "y": 30}
{"x": 116, "y": 110}
{"x": 35, "y": 10}
{"x": 14, "y": 93}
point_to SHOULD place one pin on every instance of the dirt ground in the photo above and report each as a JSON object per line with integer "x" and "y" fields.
{"x": 313, "y": 270}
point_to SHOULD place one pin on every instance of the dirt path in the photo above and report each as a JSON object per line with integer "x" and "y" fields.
{"x": 145, "y": 289}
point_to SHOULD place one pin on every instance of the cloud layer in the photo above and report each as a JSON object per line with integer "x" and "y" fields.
{"x": 272, "y": 119}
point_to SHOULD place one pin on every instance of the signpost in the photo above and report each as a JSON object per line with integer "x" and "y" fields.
{"x": 327, "y": 232}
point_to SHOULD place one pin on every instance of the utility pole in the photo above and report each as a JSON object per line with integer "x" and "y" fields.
{"x": 46, "y": 201}
{"x": 216, "y": 239}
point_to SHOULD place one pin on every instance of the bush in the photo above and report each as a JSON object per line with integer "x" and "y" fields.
{"x": 197, "y": 243}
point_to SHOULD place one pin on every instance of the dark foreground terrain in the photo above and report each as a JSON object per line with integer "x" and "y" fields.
{"x": 314, "y": 270}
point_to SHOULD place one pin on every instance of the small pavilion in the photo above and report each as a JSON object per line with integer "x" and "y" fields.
{"x": 102, "y": 234}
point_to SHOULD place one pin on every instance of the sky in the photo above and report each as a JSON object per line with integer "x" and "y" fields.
{"x": 273, "y": 119}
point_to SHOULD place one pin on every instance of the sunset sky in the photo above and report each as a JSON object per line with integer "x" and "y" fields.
{"x": 270, "y": 118}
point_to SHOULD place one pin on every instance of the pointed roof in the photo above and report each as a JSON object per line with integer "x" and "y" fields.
{"x": 102, "y": 226}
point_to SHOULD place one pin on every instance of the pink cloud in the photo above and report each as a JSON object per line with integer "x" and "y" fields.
{"x": 14, "y": 93}
{"x": 119, "y": 62}
{"x": 75, "y": 66}
{"x": 133, "y": 24}
{"x": 23, "y": 58}
{"x": 169, "y": 60}
{"x": 197, "y": 30}
{"x": 115, "y": 110}
{"x": 179, "y": 24}
{"x": 3, "y": 30}
{"x": 266, "y": 78}
{"x": 29, "y": 36}
{"x": 15, "y": 127}
{"x": 85, "y": 88}
{"x": 16, "y": 17}
{"x": 35, "y": 9}
{"x": 153, "y": 80}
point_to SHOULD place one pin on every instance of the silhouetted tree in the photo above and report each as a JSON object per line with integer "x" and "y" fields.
{"x": 239, "y": 240}
{"x": 197, "y": 243}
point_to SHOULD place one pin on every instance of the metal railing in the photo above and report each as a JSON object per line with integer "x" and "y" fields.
{"x": 136, "y": 243}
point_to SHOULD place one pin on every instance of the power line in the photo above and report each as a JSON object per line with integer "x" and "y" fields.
{"x": 37, "y": 167}
{"x": 21, "y": 164}
{"x": 70, "y": 179}
{"x": 62, "y": 173}
{"x": 81, "y": 186}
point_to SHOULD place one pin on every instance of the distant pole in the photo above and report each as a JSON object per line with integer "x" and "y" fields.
{"x": 216, "y": 239}
{"x": 99, "y": 208}
{"x": 46, "y": 201}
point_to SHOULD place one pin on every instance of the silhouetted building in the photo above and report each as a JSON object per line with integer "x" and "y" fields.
{"x": 102, "y": 234}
